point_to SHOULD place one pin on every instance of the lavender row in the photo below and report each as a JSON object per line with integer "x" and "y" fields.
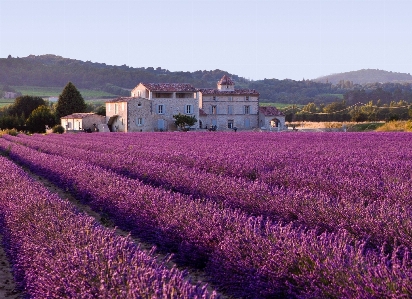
{"x": 371, "y": 209}
{"x": 249, "y": 257}
{"x": 243, "y": 154}
{"x": 59, "y": 253}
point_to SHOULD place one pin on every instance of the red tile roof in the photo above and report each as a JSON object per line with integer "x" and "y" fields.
{"x": 226, "y": 80}
{"x": 202, "y": 112}
{"x": 78, "y": 115}
{"x": 169, "y": 87}
{"x": 122, "y": 99}
{"x": 270, "y": 111}
{"x": 211, "y": 91}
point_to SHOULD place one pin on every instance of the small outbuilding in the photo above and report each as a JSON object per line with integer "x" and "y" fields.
{"x": 271, "y": 119}
{"x": 89, "y": 122}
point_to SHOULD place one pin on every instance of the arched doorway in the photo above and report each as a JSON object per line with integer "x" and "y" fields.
{"x": 275, "y": 123}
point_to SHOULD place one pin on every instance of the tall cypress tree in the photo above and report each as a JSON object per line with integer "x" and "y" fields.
{"x": 70, "y": 101}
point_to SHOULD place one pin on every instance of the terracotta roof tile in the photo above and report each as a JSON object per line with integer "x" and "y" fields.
{"x": 78, "y": 115}
{"x": 122, "y": 99}
{"x": 169, "y": 87}
{"x": 270, "y": 111}
{"x": 226, "y": 80}
{"x": 202, "y": 112}
{"x": 211, "y": 91}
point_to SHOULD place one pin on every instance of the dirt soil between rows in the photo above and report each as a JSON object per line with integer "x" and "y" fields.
{"x": 7, "y": 285}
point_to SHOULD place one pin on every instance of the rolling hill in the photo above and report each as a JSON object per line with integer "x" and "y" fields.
{"x": 365, "y": 76}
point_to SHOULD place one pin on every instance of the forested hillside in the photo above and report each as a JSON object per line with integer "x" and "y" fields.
{"x": 56, "y": 71}
{"x": 366, "y": 76}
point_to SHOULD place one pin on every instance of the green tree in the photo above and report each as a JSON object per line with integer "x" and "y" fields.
{"x": 70, "y": 101}
{"x": 310, "y": 107}
{"x": 183, "y": 121}
{"x": 39, "y": 119}
{"x": 101, "y": 110}
{"x": 25, "y": 105}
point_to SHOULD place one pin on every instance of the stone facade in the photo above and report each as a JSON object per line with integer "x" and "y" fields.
{"x": 10, "y": 95}
{"x": 271, "y": 119}
{"x": 151, "y": 107}
{"x": 82, "y": 121}
{"x": 226, "y": 108}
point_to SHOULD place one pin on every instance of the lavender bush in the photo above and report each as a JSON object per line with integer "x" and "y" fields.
{"x": 57, "y": 252}
{"x": 322, "y": 247}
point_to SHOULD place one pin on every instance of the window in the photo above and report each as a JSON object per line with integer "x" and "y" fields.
{"x": 230, "y": 124}
{"x": 160, "y": 109}
{"x": 230, "y": 109}
{"x": 139, "y": 93}
{"x": 230, "y": 98}
{"x": 247, "y": 98}
{"x": 214, "y": 109}
{"x": 214, "y": 98}
{"x": 246, "y": 109}
{"x": 189, "y": 109}
{"x": 139, "y": 121}
{"x": 139, "y": 105}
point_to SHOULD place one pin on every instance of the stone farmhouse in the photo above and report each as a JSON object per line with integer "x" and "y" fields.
{"x": 151, "y": 107}
{"x": 10, "y": 95}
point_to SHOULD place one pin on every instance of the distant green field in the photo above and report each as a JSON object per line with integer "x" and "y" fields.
{"x": 338, "y": 95}
{"x": 5, "y": 102}
{"x": 55, "y": 91}
{"x": 277, "y": 105}
{"x": 364, "y": 127}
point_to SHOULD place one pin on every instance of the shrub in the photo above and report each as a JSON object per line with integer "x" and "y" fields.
{"x": 58, "y": 129}
{"x": 12, "y": 132}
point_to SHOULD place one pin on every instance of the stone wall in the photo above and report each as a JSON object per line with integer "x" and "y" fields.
{"x": 172, "y": 106}
{"x": 230, "y": 108}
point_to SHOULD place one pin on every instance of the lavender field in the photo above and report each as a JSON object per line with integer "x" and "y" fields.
{"x": 262, "y": 215}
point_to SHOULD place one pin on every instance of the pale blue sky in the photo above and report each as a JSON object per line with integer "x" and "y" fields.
{"x": 254, "y": 39}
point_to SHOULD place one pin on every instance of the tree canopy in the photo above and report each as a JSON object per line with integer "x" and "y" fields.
{"x": 183, "y": 121}
{"x": 25, "y": 105}
{"x": 39, "y": 118}
{"x": 70, "y": 101}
